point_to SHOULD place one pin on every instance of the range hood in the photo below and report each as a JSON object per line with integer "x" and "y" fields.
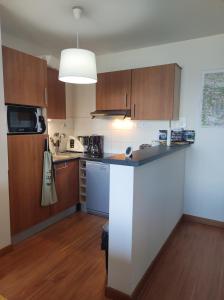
{"x": 111, "y": 113}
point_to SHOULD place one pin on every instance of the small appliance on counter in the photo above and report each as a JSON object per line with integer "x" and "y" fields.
{"x": 25, "y": 120}
{"x": 96, "y": 145}
{"x": 178, "y": 136}
{"x": 92, "y": 145}
{"x": 74, "y": 145}
{"x": 129, "y": 152}
{"x": 84, "y": 140}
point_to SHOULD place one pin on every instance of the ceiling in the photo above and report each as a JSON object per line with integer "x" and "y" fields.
{"x": 111, "y": 25}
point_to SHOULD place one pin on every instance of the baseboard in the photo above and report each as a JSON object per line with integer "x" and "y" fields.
{"x": 6, "y": 250}
{"x": 194, "y": 219}
{"x": 19, "y": 237}
{"x": 116, "y": 295}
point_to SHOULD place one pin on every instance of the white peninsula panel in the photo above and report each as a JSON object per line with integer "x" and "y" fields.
{"x": 146, "y": 202}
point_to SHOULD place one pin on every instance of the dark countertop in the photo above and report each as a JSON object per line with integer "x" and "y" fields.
{"x": 66, "y": 156}
{"x": 140, "y": 157}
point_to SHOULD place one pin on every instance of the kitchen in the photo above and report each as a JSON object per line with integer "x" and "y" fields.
{"x": 75, "y": 120}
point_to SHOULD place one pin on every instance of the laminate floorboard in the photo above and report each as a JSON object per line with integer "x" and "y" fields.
{"x": 62, "y": 262}
{"x": 191, "y": 267}
{"x": 65, "y": 262}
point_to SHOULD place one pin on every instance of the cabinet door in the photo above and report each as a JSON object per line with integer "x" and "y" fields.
{"x": 67, "y": 185}
{"x": 56, "y": 96}
{"x": 25, "y": 181}
{"x": 24, "y": 78}
{"x": 113, "y": 90}
{"x": 155, "y": 93}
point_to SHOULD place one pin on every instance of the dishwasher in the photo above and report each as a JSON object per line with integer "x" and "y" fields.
{"x": 97, "y": 187}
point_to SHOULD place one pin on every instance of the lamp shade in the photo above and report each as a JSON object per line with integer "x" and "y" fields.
{"x": 77, "y": 66}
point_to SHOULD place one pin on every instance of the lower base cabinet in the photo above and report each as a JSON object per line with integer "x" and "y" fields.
{"x": 67, "y": 185}
{"x": 25, "y": 182}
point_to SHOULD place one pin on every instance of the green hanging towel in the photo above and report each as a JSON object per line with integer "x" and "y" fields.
{"x": 49, "y": 195}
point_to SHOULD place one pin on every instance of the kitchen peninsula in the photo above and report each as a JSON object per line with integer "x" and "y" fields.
{"x": 146, "y": 202}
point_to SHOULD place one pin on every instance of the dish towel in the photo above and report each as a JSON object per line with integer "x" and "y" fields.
{"x": 49, "y": 195}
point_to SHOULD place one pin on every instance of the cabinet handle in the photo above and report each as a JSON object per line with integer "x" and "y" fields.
{"x": 134, "y": 111}
{"x": 45, "y": 95}
{"x": 126, "y": 99}
{"x": 61, "y": 168}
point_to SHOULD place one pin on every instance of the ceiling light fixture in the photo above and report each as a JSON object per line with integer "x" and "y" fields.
{"x": 77, "y": 65}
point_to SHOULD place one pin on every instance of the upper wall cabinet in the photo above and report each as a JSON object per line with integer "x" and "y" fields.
{"x": 24, "y": 78}
{"x": 56, "y": 96}
{"x": 113, "y": 90}
{"x": 155, "y": 93}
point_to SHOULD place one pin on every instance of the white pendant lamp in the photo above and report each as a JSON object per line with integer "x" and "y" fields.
{"x": 77, "y": 65}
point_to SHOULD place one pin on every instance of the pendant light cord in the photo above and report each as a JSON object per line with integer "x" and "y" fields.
{"x": 77, "y": 39}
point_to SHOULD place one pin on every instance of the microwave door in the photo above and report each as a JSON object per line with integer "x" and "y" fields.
{"x": 22, "y": 119}
{"x": 28, "y": 120}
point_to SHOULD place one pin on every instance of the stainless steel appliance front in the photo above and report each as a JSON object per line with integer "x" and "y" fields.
{"x": 97, "y": 187}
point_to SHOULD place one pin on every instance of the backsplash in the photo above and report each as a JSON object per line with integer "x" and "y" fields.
{"x": 118, "y": 134}
{"x": 63, "y": 127}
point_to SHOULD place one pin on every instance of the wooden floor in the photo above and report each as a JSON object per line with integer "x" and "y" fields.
{"x": 191, "y": 268}
{"x": 61, "y": 263}
{"x": 65, "y": 262}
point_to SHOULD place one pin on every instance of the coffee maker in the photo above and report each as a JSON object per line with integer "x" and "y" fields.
{"x": 96, "y": 145}
{"x": 84, "y": 140}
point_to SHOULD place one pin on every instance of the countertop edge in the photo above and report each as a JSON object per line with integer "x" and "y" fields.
{"x": 132, "y": 163}
{"x": 58, "y": 161}
{"x": 162, "y": 152}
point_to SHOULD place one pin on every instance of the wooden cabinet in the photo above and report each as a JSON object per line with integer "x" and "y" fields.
{"x": 25, "y": 181}
{"x": 56, "y": 96}
{"x": 151, "y": 93}
{"x": 24, "y": 78}
{"x": 67, "y": 185}
{"x": 155, "y": 93}
{"x": 113, "y": 90}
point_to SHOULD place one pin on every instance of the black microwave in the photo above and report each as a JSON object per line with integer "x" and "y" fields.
{"x": 25, "y": 119}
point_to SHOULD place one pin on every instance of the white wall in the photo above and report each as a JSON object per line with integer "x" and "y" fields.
{"x": 120, "y": 226}
{"x": 146, "y": 202}
{"x": 29, "y": 47}
{"x": 157, "y": 207}
{"x": 4, "y": 193}
{"x": 204, "y": 185}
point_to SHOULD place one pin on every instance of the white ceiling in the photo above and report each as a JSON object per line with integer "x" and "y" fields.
{"x": 111, "y": 25}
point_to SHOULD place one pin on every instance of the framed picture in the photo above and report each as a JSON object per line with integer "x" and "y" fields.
{"x": 212, "y": 114}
